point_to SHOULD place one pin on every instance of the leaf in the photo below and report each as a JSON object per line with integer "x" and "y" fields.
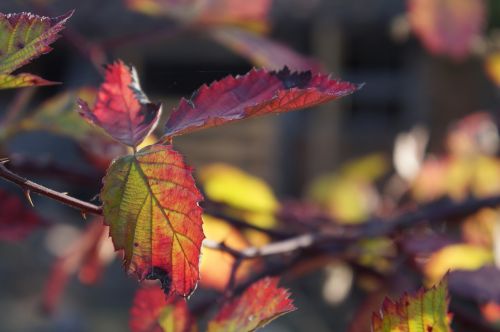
{"x": 152, "y": 312}
{"x": 22, "y": 80}
{"x": 122, "y": 109}
{"x": 423, "y": 312}
{"x": 248, "y": 14}
{"x": 24, "y": 37}
{"x": 150, "y": 201}
{"x": 259, "y": 92}
{"x": 87, "y": 257}
{"x": 17, "y": 221}
{"x": 447, "y": 27}
{"x": 456, "y": 257}
{"x": 216, "y": 265}
{"x": 262, "y": 51}
{"x": 260, "y": 304}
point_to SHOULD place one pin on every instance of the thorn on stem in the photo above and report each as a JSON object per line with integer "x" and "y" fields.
{"x": 84, "y": 215}
{"x": 4, "y": 160}
{"x": 27, "y": 194}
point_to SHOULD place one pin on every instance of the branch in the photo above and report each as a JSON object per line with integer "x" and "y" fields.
{"x": 28, "y": 186}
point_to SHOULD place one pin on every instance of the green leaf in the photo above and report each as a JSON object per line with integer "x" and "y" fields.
{"x": 150, "y": 201}
{"x": 423, "y": 312}
{"x": 24, "y": 37}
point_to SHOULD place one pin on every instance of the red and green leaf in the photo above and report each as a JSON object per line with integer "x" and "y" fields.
{"x": 259, "y": 92}
{"x": 151, "y": 204}
{"x": 122, "y": 109}
{"x": 153, "y": 312}
{"x": 423, "y": 312}
{"x": 447, "y": 27}
{"x": 24, "y": 37}
{"x": 261, "y": 303}
{"x": 17, "y": 220}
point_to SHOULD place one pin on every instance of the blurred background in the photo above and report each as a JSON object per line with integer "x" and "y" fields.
{"x": 422, "y": 73}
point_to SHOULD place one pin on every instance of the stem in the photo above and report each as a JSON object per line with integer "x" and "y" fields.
{"x": 29, "y": 186}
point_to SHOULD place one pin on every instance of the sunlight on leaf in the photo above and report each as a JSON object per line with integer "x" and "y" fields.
{"x": 261, "y": 303}
{"x": 150, "y": 201}
{"x": 24, "y": 37}
{"x": 216, "y": 265}
{"x": 257, "y": 93}
{"x": 456, "y": 257}
{"x": 122, "y": 109}
{"x": 425, "y": 311}
{"x": 152, "y": 312}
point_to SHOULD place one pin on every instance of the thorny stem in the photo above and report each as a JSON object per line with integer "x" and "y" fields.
{"x": 29, "y": 187}
{"x": 335, "y": 238}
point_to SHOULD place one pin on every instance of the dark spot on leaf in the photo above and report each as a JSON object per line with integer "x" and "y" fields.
{"x": 430, "y": 328}
{"x": 161, "y": 275}
{"x": 20, "y": 45}
{"x": 136, "y": 244}
{"x": 293, "y": 80}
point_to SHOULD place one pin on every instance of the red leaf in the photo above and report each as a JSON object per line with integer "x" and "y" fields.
{"x": 87, "y": 256}
{"x": 257, "y": 93}
{"x": 122, "y": 109}
{"x": 150, "y": 201}
{"x": 17, "y": 221}
{"x": 153, "y": 312}
{"x": 447, "y": 27}
{"x": 261, "y": 303}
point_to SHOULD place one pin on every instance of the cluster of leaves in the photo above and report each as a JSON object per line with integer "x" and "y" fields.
{"x": 151, "y": 204}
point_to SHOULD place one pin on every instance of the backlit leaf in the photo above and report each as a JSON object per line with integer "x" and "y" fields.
{"x": 151, "y": 204}
{"x": 456, "y": 257}
{"x": 153, "y": 312}
{"x": 425, "y": 311}
{"x": 261, "y": 303}
{"x": 122, "y": 109}
{"x": 17, "y": 220}
{"x": 259, "y": 92}
{"x": 21, "y": 81}
{"x": 262, "y": 51}
{"x": 24, "y": 37}
{"x": 216, "y": 265}
{"x": 447, "y": 27}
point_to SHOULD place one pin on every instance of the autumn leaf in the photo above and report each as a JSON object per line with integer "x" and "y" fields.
{"x": 150, "y": 201}
{"x": 17, "y": 221}
{"x": 456, "y": 257}
{"x": 216, "y": 265}
{"x": 259, "y": 92}
{"x": 122, "y": 109}
{"x": 87, "y": 257}
{"x": 447, "y": 27}
{"x": 261, "y": 303}
{"x": 425, "y": 311}
{"x": 251, "y": 15}
{"x": 153, "y": 312}
{"x": 24, "y": 37}
{"x": 261, "y": 51}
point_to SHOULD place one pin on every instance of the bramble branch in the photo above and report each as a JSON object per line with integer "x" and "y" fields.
{"x": 31, "y": 187}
